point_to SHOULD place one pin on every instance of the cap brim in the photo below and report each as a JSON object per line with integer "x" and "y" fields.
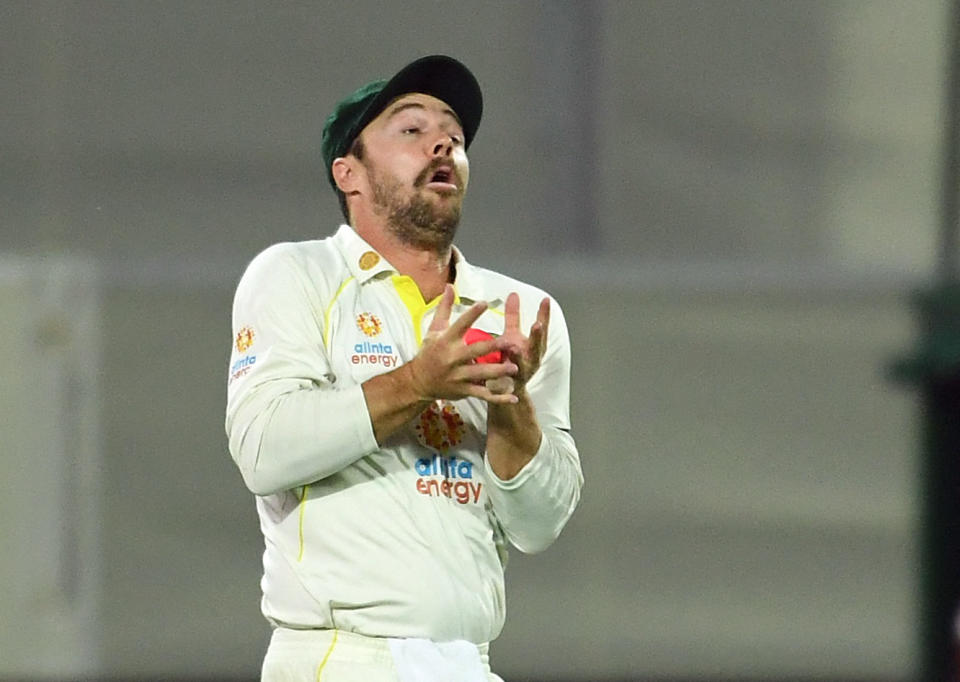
{"x": 439, "y": 76}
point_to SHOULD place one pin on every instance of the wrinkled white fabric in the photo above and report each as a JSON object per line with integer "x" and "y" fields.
{"x": 406, "y": 539}
{"x": 338, "y": 656}
{"x": 421, "y": 660}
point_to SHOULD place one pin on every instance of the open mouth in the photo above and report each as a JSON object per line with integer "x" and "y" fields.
{"x": 443, "y": 178}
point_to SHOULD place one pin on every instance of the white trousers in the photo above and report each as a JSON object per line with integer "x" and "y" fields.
{"x": 339, "y": 656}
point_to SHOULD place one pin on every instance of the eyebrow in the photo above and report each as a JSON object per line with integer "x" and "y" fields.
{"x": 416, "y": 105}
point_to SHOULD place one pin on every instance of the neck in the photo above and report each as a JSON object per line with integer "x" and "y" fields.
{"x": 428, "y": 268}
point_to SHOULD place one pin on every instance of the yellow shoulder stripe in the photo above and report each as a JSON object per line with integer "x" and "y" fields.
{"x": 326, "y": 314}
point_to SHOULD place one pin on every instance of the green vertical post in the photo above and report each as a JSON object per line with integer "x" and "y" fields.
{"x": 934, "y": 368}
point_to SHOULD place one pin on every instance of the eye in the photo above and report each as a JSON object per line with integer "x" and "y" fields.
{"x": 457, "y": 139}
{"x": 411, "y": 130}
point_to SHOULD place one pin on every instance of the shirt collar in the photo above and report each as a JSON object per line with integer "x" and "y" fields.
{"x": 469, "y": 282}
{"x": 365, "y": 263}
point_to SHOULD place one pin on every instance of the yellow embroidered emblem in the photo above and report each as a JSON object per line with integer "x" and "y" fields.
{"x": 244, "y": 338}
{"x": 368, "y": 260}
{"x": 369, "y": 324}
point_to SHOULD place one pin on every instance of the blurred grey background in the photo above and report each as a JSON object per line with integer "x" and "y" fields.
{"x": 731, "y": 199}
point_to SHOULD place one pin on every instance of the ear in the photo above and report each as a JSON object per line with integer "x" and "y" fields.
{"x": 345, "y": 174}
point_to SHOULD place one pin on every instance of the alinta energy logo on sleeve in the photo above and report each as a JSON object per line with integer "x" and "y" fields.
{"x": 441, "y": 427}
{"x": 242, "y": 342}
{"x": 369, "y": 352}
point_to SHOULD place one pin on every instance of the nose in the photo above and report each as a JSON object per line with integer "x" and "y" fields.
{"x": 443, "y": 146}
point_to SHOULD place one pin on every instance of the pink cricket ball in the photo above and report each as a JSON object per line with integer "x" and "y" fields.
{"x": 473, "y": 335}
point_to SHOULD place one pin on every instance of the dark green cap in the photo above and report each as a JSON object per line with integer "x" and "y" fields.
{"x": 438, "y": 75}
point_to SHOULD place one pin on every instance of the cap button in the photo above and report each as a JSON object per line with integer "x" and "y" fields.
{"x": 369, "y": 259}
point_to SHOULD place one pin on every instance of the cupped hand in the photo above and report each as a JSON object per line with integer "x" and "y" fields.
{"x": 525, "y": 352}
{"x": 445, "y": 366}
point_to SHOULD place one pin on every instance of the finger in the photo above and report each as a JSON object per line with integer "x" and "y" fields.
{"x": 508, "y": 344}
{"x": 543, "y": 314}
{"x": 536, "y": 342}
{"x": 511, "y": 313}
{"x": 539, "y": 329}
{"x": 465, "y": 321}
{"x": 485, "y": 394}
{"x": 482, "y": 372}
{"x": 441, "y": 318}
{"x": 481, "y": 348}
{"x": 514, "y": 357}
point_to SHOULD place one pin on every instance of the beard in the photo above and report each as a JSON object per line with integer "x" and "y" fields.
{"x": 416, "y": 220}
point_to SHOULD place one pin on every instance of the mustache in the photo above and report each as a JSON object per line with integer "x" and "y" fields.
{"x": 432, "y": 168}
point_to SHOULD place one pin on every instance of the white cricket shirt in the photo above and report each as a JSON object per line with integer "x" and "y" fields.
{"x": 406, "y": 539}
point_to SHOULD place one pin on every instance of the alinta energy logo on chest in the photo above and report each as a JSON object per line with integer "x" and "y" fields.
{"x": 441, "y": 427}
{"x": 368, "y": 352}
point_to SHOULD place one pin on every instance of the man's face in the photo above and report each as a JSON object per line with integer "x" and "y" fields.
{"x": 417, "y": 169}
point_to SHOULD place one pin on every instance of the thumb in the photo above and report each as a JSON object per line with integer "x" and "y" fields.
{"x": 441, "y": 318}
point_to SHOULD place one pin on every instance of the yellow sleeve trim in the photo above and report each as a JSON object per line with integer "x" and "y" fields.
{"x": 326, "y": 656}
{"x": 303, "y": 507}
